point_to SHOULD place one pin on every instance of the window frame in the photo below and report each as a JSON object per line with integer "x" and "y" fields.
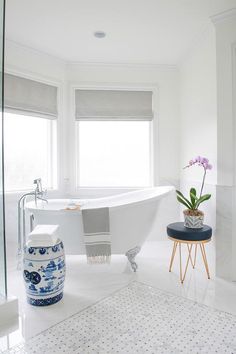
{"x": 59, "y": 130}
{"x": 103, "y": 191}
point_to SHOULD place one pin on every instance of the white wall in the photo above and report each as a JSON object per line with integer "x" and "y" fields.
{"x": 225, "y": 25}
{"x": 199, "y": 117}
{"x": 164, "y": 80}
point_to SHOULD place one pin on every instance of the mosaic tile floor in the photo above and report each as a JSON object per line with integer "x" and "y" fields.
{"x": 138, "y": 319}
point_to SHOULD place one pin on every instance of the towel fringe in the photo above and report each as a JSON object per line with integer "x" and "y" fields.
{"x": 99, "y": 259}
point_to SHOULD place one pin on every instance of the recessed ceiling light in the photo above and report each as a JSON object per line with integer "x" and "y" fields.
{"x": 99, "y": 34}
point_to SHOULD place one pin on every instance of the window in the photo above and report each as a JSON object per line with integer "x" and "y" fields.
{"x": 113, "y": 154}
{"x": 113, "y": 130}
{"x": 30, "y": 133}
{"x": 30, "y": 151}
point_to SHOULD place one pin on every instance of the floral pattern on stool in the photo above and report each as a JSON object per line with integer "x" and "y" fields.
{"x": 44, "y": 274}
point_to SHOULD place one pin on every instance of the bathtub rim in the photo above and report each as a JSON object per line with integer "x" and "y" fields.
{"x": 31, "y": 207}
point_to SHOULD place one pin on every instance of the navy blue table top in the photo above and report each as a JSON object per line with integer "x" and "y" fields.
{"x": 178, "y": 231}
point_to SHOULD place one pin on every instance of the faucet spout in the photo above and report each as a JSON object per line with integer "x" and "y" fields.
{"x": 43, "y": 199}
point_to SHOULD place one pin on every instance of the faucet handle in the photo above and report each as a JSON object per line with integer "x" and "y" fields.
{"x": 38, "y": 182}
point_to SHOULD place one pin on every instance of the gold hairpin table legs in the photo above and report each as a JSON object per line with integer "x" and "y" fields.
{"x": 190, "y": 245}
{"x": 204, "y": 259}
{"x": 173, "y": 255}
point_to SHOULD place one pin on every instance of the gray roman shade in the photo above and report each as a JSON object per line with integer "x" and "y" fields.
{"x": 113, "y": 105}
{"x": 24, "y": 96}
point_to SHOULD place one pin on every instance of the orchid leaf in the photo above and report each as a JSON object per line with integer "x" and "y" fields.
{"x": 193, "y": 196}
{"x": 183, "y": 202}
{"x": 202, "y": 199}
{"x": 180, "y": 195}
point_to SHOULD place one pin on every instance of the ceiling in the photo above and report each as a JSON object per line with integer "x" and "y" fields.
{"x": 138, "y": 31}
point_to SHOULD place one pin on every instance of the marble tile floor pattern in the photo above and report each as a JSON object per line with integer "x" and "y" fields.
{"x": 85, "y": 285}
{"x": 139, "y": 319}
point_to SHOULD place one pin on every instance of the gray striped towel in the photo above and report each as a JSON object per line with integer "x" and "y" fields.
{"x": 97, "y": 236}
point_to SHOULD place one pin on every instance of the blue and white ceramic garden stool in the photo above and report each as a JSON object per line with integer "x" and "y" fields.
{"x": 44, "y": 274}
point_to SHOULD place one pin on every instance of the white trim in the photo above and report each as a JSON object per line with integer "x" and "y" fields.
{"x": 77, "y": 175}
{"x": 155, "y": 136}
{"x": 153, "y": 66}
{"x": 50, "y": 154}
{"x": 151, "y": 149}
{"x": 222, "y": 16}
{"x": 60, "y": 132}
{"x": 114, "y": 118}
{"x": 128, "y": 86}
{"x": 233, "y": 48}
{"x": 72, "y": 136}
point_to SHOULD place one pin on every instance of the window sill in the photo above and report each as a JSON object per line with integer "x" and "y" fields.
{"x": 15, "y": 195}
{"x": 95, "y": 192}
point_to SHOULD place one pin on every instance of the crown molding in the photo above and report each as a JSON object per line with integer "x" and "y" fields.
{"x": 147, "y": 66}
{"x": 223, "y": 16}
{"x": 31, "y": 75}
{"x": 28, "y": 49}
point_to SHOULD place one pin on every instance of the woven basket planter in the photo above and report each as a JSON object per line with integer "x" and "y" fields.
{"x": 193, "y": 221}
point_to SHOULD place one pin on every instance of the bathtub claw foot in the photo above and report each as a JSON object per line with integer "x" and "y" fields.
{"x": 131, "y": 254}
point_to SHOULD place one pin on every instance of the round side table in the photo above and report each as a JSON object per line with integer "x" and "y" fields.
{"x": 180, "y": 234}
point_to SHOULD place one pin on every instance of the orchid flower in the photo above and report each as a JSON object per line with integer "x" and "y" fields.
{"x": 203, "y": 162}
{"x": 194, "y": 202}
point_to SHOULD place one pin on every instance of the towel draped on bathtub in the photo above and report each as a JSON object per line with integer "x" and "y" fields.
{"x": 97, "y": 236}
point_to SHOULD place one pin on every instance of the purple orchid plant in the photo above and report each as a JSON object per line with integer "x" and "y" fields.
{"x": 194, "y": 201}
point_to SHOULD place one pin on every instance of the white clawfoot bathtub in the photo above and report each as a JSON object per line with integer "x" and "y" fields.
{"x": 131, "y": 218}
